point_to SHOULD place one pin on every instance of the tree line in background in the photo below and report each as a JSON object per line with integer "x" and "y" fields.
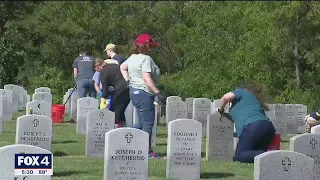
{"x": 207, "y": 48}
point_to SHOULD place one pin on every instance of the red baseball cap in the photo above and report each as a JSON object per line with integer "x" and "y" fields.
{"x": 146, "y": 39}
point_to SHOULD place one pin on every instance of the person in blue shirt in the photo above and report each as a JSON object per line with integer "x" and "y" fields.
{"x": 253, "y": 127}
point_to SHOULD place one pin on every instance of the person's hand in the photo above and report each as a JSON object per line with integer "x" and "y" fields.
{"x": 103, "y": 103}
{"x": 161, "y": 98}
{"x": 100, "y": 94}
{"x": 221, "y": 111}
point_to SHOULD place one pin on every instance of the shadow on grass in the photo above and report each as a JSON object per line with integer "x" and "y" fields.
{"x": 64, "y": 142}
{"x": 59, "y": 153}
{"x": 161, "y": 144}
{"x": 203, "y": 154}
{"x": 66, "y": 173}
{"x": 70, "y": 121}
{"x": 162, "y": 154}
{"x": 9, "y": 132}
{"x": 215, "y": 175}
{"x": 161, "y": 135}
{"x": 285, "y": 140}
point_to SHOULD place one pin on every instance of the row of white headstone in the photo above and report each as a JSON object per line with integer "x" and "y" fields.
{"x": 14, "y": 98}
{"x": 94, "y": 123}
{"x": 287, "y": 118}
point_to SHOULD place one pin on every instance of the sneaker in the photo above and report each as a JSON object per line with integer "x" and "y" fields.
{"x": 153, "y": 155}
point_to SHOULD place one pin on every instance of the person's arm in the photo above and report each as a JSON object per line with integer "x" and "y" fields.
{"x": 124, "y": 70}
{"x": 225, "y": 99}
{"x": 105, "y": 84}
{"x": 75, "y": 69}
{"x": 96, "y": 79}
{"x": 146, "y": 75}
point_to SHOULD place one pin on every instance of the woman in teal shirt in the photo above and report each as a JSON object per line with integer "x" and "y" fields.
{"x": 253, "y": 127}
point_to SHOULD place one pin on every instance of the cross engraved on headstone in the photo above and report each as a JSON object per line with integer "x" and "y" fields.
{"x": 42, "y": 96}
{"x": 128, "y": 137}
{"x": 202, "y": 101}
{"x": 4, "y": 93}
{"x": 101, "y": 115}
{"x": 88, "y": 102}
{"x": 178, "y": 105}
{"x": 313, "y": 143}
{"x": 286, "y": 163}
{"x": 35, "y": 123}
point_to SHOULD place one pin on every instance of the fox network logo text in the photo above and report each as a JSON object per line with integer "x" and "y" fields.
{"x": 33, "y": 164}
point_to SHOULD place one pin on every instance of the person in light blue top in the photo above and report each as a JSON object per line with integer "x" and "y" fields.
{"x": 253, "y": 127}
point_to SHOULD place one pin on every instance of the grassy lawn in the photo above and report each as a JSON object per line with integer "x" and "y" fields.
{"x": 71, "y": 164}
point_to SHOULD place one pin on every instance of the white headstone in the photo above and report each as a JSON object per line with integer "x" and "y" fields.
{"x": 20, "y": 91}
{"x": 129, "y": 115}
{"x": 301, "y": 115}
{"x": 280, "y": 119}
{"x": 308, "y": 144}
{"x": 126, "y": 154}
{"x": 154, "y": 130}
{"x": 284, "y": 165}
{"x": 34, "y": 130}
{"x": 176, "y": 110}
{"x": 43, "y": 89}
{"x": 7, "y": 104}
{"x": 219, "y": 141}
{"x": 315, "y": 129}
{"x": 7, "y": 159}
{"x": 98, "y": 123}
{"x": 42, "y": 96}
{"x": 85, "y": 105}
{"x": 74, "y": 102}
{"x": 184, "y": 149}
{"x": 292, "y": 124}
{"x": 189, "y": 102}
{"x": 15, "y": 96}
{"x": 1, "y": 113}
{"x": 69, "y": 101}
{"x": 173, "y": 98}
{"x": 201, "y": 110}
{"x": 39, "y": 108}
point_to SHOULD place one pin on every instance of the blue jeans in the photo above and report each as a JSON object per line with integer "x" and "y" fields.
{"x": 85, "y": 86}
{"x": 143, "y": 102}
{"x": 254, "y": 140}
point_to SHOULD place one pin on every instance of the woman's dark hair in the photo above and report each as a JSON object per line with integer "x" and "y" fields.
{"x": 139, "y": 48}
{"x": 256, "y": 91}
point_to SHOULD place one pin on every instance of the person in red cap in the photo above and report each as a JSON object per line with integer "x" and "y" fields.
{"x": 142, "y": 75}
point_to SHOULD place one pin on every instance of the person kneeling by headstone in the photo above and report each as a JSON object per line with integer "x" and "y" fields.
{"x": 253, "y": 127}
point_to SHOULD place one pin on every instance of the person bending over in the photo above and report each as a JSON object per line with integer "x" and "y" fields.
{"x": 253, "y": 127}
{"x": 110, "y": 75}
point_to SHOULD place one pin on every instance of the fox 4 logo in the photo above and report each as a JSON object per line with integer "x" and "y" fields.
{"x": 43, "y": 161}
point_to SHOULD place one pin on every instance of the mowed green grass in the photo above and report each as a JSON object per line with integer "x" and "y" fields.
{"x": 71, "y": 164}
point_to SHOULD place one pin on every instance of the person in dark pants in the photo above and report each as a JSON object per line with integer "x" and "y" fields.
{"x": 83, "y": 70}
{"x": 253, "y": 127}
{"x": 110, "y": 75}
{"x": 144, "y": 75}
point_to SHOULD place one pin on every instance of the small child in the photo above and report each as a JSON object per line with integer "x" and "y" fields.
{"x": 312, "y": 120}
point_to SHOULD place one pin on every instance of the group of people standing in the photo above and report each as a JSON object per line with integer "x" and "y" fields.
{"x": 122, "y": 80}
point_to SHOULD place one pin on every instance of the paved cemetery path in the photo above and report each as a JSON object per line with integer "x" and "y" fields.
{"x": 71, "y": 164}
